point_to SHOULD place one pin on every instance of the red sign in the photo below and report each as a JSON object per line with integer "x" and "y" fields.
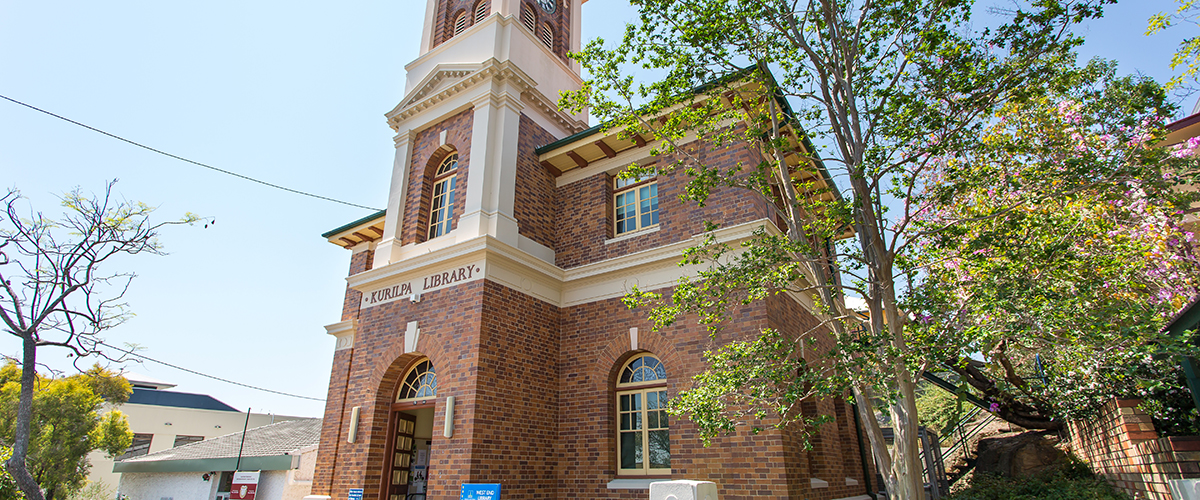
{"x": 244, "y": 486}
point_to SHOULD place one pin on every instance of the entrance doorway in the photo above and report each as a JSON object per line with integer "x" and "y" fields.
{"x": 407, "y": 464}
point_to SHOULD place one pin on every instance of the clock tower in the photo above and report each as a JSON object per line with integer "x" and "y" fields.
{"x": 483, "y": 348}
{"x": 486, "y": 65}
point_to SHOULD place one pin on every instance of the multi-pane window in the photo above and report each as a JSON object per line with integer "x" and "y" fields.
{"x": 139, "y": 447}
{"x": 421, "y": 382}
{"x": 182, "y": 440}
{"x": 636, "y": 204}
{"x": 481, "y": 10}
{"x": 643, "y": 430}
{"x": 442, "y": 204}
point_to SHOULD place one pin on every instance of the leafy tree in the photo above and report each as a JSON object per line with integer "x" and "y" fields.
{"x": 1188, "y": 55}
{"x": 68, "y": 424}
{"x": 890, "y": 86}
{"x": 8, "y": 487}
{"x": 55, "y": 292}
{"x": 1067, "y": 256}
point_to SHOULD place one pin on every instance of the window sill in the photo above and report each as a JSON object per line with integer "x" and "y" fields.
{"x": 632, "y": 484}
{"x": 634, "y": 234}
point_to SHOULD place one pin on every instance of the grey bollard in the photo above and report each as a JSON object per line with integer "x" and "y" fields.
{"x": 1181, "y": 489}
{"x": 683, "y": 490}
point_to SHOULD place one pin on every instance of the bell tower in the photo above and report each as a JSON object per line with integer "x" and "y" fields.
{"x": 485, "y": 66}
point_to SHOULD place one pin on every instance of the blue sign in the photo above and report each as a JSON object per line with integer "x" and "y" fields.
{"x": 480, "y": 492}
{"x": 354, "y": 494}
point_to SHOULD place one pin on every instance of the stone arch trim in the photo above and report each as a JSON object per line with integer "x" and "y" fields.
{"x": 613, "y": 356}
{"x": 430, "y": 172}
{"x": 386, "y": 380}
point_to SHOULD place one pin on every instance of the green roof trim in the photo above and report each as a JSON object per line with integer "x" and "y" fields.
{"x": 277, "y": 462}
{"x": 591, "y": 131}
{"x": 787, "y": 107}
{"x": 363, "y": 220}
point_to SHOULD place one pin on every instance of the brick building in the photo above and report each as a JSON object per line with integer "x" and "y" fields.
{"x": 482, "y": 337}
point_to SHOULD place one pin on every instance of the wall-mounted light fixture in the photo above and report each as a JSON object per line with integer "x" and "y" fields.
{"x": 353, "y": 424}
{"x": 448, "y": 427}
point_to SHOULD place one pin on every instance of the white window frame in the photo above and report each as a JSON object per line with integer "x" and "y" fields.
{"x": 424, "y": 387}
{"x": 641, "y": 391}
{"x": 638, "y": 187}
{"x": 441, "y": 216}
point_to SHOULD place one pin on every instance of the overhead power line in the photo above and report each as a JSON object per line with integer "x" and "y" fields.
{"x": 180, "y": 158}
{"x": 214, "y": 377}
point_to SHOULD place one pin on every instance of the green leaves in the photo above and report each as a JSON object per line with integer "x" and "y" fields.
{"x": 755, "y": 383}
{"x": 1055, "y": 251}
{"x": 67, "y": 423}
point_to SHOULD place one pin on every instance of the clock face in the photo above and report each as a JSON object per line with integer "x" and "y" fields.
{"x": 547, "y": 5}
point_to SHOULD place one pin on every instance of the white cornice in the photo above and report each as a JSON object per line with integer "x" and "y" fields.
{"x": 463, "y": 77}
{"x": 344, "y": 332}
{"x": 517, "y": 269}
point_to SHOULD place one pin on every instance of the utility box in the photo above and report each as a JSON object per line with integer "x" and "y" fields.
{"x": 683, "y": 490}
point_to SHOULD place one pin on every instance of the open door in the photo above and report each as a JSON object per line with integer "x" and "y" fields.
{"x": 399, "y": 460}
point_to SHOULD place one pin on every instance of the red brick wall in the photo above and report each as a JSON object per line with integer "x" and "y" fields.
{"x": 535, "y": 388}
{"x": 560, "y": 21}
{"x": 585, "y": 212}
{"x": 426, "y": 156}
{"x": 516, "y": 410}
{"x": 449, "y": 322}
{"x": 835, "y": 455}
{"x": 1122, "y": 445}
{"x": 535, "y": 204}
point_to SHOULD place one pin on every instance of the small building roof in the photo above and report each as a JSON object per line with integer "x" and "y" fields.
{"x": 137, "y": 379}
{"x": 155, "y": 397}
{"x": 270, "y": 447}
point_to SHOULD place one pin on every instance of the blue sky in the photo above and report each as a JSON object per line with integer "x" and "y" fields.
{"x": 288, "y": 92}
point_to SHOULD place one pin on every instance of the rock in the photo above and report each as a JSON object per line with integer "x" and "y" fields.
{"x": 1026, "y": 454}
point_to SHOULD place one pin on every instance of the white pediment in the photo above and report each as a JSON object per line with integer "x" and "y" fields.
{"x": 442, "y": 77}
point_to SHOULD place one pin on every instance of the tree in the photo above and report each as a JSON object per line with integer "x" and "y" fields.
{"x": 1069, "y": 254}
{"x": 8, "y": 487}
{"x": 1188, "y": 55}
{"x": 68, "y": 424}
{"x": 54, "y": 290}
{"x": 890, "y": 86}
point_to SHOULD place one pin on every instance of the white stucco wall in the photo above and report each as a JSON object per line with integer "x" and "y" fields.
{"x": 167, "y": 486}
{"x": 298, "y": 482}
{"x": 272, "y": 485}
{"x": 151, "y": 419}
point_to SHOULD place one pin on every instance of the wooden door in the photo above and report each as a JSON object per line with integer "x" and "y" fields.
{"x": 399, "y": 460}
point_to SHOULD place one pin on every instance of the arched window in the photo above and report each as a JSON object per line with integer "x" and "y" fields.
{"x": 547, "y": 36}
{"x": 481, "y": 10}
{"x": 460, "y": 23}
{"x": 528, "y": 18}
{"x": 421, "y": 382}
{"x": 442, "y": 204}
{"x": 643, "y": 434}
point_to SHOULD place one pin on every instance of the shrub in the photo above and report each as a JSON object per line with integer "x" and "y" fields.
{"x": 1073, "y": 482}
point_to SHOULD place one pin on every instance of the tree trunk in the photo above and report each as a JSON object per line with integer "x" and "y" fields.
{"x": 16, "y": 463}
{"x": 906, "y": 468}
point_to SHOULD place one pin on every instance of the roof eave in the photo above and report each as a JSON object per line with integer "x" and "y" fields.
{"x": 275, "y": 462}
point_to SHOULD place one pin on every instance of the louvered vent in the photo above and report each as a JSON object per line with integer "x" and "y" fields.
{"x": 481, "y": 11}
{"x": 527, "y": 17}
{"x": 460, "y": 23}
{"x": 547, "y": 36}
